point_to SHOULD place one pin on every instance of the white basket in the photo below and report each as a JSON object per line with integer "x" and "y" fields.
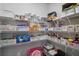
{"x": 70, "y": 28}
{"x": 8, "y": 28}
{"x": 77, "y": 28}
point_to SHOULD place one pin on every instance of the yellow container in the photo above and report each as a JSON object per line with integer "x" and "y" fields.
{"x": 34, "y": 27}
{"x": 70, "y": 41}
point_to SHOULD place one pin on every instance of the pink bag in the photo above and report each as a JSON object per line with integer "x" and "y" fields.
{"x": 38, "y": 51}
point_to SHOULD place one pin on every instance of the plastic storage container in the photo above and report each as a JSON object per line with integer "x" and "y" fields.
{"x": 22, "y": 38}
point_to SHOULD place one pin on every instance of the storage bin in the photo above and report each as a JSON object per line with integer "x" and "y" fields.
{"x": 77, "y": 9}
{"x": 77, "y": 28}
{"x": 71, "y": 28}
{"x": 63, "y": 28}
{"x": 8, "y": 28}
{"x": 22, "y": 38}
{"x": 70, "y": 12}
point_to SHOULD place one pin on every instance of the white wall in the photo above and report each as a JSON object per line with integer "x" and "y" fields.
{"x": 1, "y": 7}
{"x": 40, "y": 9}
{"x": 56, "y": 7}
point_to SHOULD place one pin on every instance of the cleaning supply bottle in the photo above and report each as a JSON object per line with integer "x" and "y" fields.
{"x": 70, "y": 40}
{"x": 76, "y": 38}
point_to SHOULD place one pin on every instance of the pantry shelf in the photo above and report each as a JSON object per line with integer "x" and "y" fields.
{"x": 16, "y": 44}
{"x": 76, "y": 15}
{"x": 11, "y": 18}
{"x": 57, "y": 45}
{"x": 65, "y": 45}
{"x": 57, "y": 31}
{"x": 14, "y": 31}
{"x": 10, "y": 42}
